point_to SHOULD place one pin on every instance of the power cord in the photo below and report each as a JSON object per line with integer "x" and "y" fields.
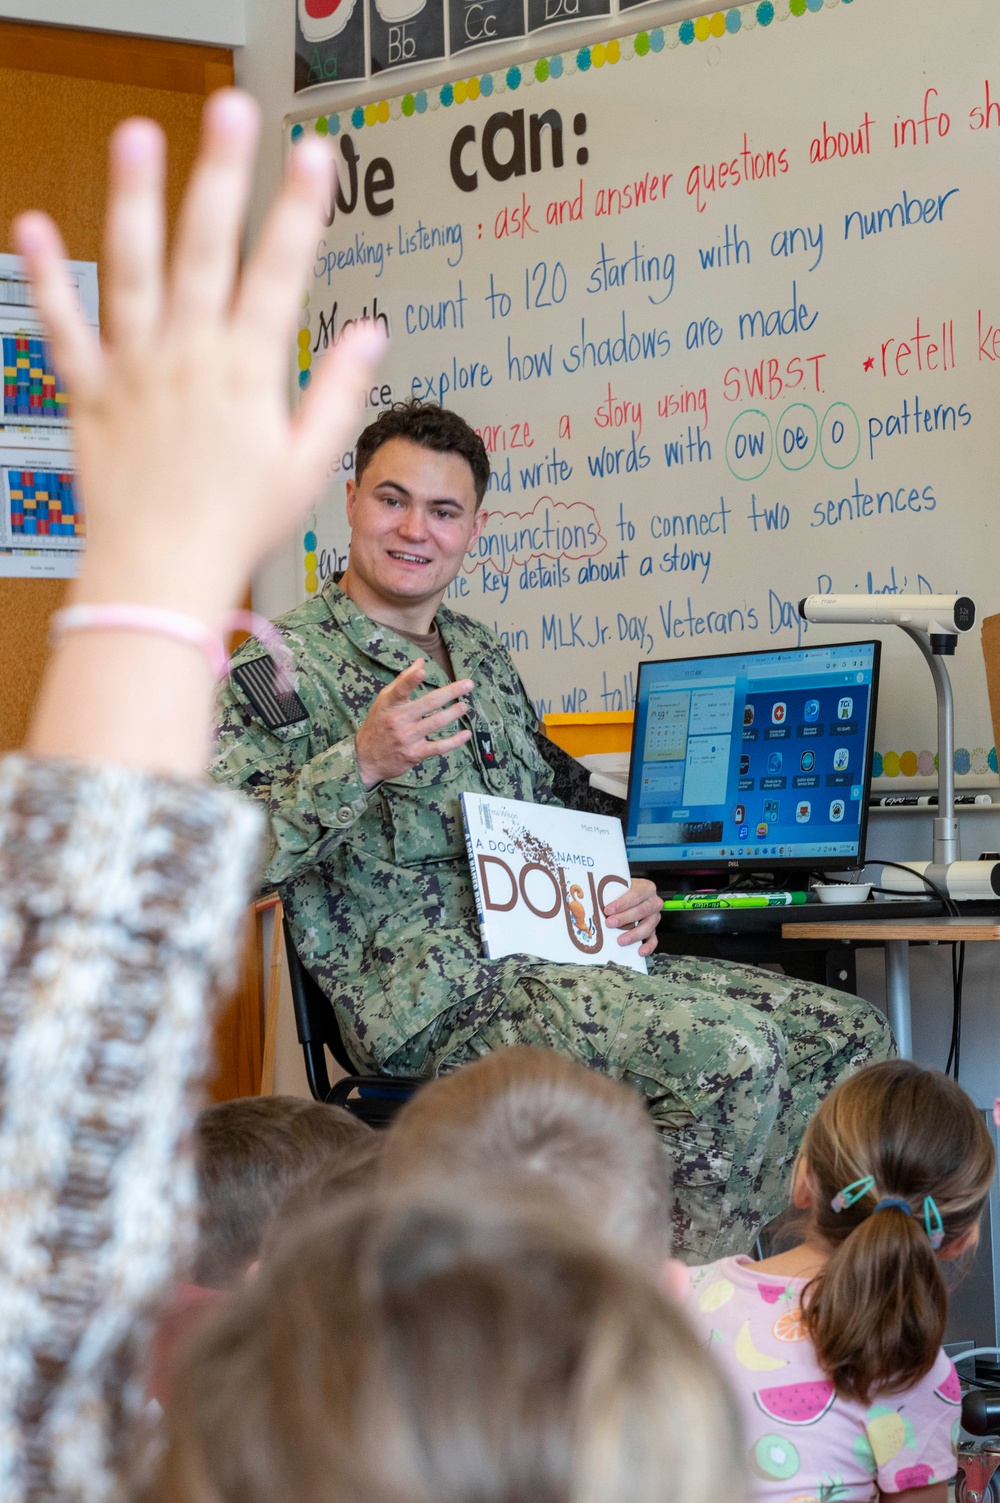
{"x": 957, "y": 962}
{"x": 950, "y": 906}
{"x": 957, "y": 980}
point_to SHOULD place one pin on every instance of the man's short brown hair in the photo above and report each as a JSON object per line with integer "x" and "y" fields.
{"x": 431, "y": 427}
{"x": 248, "y": 1155}
{"x": 533, "y": 1114}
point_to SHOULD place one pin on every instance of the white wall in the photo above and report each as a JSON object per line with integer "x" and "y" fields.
{"x": 216, "y": 23}
{"x": 265, "y": 66}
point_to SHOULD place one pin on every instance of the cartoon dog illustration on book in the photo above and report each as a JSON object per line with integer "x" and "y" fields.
{"x": 583, "y": 927}
{"x": 578, "y": 913}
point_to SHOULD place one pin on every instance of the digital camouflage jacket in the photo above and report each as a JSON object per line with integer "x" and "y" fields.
{"x": 375, "y": 885}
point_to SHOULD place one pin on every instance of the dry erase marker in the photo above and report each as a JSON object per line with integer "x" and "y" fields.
{"x": 735, "y": 900}
{"x": 923, "y": 800}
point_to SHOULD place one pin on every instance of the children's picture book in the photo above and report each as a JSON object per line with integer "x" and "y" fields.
{"x": 543, "y": 877}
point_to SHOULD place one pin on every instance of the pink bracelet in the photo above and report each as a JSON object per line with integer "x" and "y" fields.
{"x": 180, "y": 628}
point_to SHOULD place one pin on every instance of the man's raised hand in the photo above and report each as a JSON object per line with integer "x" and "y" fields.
{"x": 394, "y": 735}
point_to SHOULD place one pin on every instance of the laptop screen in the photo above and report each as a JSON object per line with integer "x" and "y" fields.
{"x": 752, "y": 759}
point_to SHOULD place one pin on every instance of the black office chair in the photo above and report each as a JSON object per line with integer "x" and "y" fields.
{"x": 373, "y": 1098}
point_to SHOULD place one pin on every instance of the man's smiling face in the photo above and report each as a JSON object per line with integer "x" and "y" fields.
{"x": 413, "y": 518}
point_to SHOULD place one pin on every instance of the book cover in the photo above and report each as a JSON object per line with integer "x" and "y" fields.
{"x": 542, "y": 878}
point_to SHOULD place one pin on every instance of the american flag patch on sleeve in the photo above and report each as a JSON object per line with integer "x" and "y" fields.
{"x": 275, "y": 708}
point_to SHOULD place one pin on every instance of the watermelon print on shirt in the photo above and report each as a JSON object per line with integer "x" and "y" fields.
{"x": 806, "y": 1445}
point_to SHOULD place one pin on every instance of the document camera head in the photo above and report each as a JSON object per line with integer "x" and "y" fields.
{"x": 939, "y": 617}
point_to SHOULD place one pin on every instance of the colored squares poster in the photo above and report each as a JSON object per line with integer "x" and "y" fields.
{"x": 41, "y": 521}
{"x": 476, "y": 22}
{"x": 405, "y": 31}
{"x": 42, "y": 528}
{"x": 42, "y": 504}
{"x": 31, "y": 389}
{"x": 552, "y": 12}
{"x": 329, "y": 42}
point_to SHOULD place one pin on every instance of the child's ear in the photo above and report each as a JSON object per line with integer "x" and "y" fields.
{"x": 803, "y": 1187}
{"x": 674, "y": 1280}
{"x": 967, "y": 1242}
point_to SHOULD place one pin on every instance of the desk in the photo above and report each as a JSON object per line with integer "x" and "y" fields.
{"x": 896, "y": 925}
{"x": 897, "y": 934}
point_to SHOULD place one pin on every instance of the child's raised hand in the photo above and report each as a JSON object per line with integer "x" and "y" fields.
{"x": 190, "y": 468}
{"x": 189, "y": 465}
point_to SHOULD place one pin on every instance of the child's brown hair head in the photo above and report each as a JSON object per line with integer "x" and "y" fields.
{"x": 877, "y": 1312}
{"x": 248, "y": 1155}
{"x": 420, "y": 1346}
{"x": 532, "y": 1113}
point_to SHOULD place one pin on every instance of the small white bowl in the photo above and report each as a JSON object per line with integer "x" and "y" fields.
{"x": 842, "y": 892}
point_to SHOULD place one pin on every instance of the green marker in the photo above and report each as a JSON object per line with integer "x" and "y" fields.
{"x": 736, "y": 900}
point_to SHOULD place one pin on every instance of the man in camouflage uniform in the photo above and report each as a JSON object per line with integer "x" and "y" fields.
{"x": 361, "y": 777}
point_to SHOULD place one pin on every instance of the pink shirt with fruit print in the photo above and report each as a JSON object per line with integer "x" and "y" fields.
{"x": 806, "y": 1445}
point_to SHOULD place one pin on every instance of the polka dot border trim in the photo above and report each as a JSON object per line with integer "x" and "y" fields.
{"x": 309, "y": 561}
{"x": 910, "y": 764}
{"x": 706, "y": 28}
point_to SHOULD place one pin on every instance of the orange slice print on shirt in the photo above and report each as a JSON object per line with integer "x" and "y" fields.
{"x": 790, "y": 1327}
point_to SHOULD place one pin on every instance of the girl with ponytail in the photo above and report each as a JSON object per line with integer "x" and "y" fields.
{"x": 834, "y": 1347}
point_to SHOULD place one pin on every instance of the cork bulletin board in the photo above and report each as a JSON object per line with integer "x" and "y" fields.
{"x": 62, "y": 91}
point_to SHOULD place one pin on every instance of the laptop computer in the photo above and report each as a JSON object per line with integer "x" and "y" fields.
{"x": 752, "y": 761}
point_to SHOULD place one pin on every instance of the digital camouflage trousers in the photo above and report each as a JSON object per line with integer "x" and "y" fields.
{"x": 733, "y": 1061}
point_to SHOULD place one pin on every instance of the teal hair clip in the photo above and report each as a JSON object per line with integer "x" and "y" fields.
{"x": 933, "y": 1223}
{"x": 850, "y": 1194}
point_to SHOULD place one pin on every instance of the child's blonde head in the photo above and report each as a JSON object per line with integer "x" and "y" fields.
{"x": 428, "y": 1348}
{"x": 877, "y": 1312}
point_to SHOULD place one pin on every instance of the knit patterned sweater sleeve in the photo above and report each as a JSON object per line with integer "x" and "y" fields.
{"x": 120, "y": 903}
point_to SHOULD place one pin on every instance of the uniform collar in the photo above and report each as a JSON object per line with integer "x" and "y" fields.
{"x": 388, "y": 648}
{"x": 376, "y": 641}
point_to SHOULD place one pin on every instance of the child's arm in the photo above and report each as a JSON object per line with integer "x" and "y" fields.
{"x": 936, "y": 1493}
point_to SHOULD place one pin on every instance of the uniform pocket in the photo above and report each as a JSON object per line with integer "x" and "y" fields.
{"x": 701, "y": 1175}
{"x": 510, "y": 769}
{"x": 425, "y": 822}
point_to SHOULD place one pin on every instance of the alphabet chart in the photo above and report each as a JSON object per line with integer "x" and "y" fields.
{"x": 721, "y": 299}
{"x": 330, "y": 34}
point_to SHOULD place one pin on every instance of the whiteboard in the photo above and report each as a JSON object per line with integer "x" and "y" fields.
{"x": 722, "y": 298}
